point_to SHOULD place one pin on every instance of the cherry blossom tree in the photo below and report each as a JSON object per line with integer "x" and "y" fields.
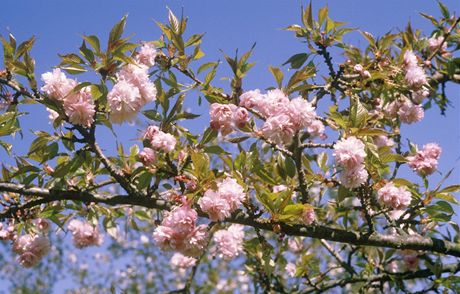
{"x": 292, "y": 188}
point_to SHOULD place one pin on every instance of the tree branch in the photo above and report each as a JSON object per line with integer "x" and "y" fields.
{"x": 414, "y": 242}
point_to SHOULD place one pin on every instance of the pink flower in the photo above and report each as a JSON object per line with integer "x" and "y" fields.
{"x": 125, "y": 101}
{"x": 84, "y": 234}
{"x": 425, "y": 161}
{"x": 279, "y": 188}
{"x": 411, "y": 260}
{"x": 221, "y": 203}
{"x": 240, "y": 117}
{"x": 432, "y": 150}
{"x": 291, "y": 269}
{"x": 31, "y": 249}
{"x": 279, "y": 129}
{"x": 410, "y": 59}
{"x": 367, "y": 74}
{"x": 301, "y": 112}
{"x": 316, "y": 128}
{"x": 151, "y": 132}
{"x": 353, "y": 177}
{"x": 163, "y": 141}
{"x": 251, "y": 99}
{"x": 295, "y": 245}
{"x": 42, "y": 225}
{"x": 229, "y": 243}
{"x": 397, "y": 198}
{"x": 146, "y": 55}
{"x": 147, "y": 156}
{"x": 419, "y": 95}
{"x": 28, "y": 259}
{"x": 80, "y": 108}
{"x": 137, "y": 75}
{"x": 308, "y": 215}
{"x": 409, "y": 112}
{"x": 57, "y": 85}
{"x": 274, "y": 103}
{"x": 179, "y": 260}
{"x": 7, "y": 233}
{"x": 383, "y": 141}
{"x": 216, "y": 207}
{"x": 178, "y": 232}
{"x": 358, "y": 68}
{"x": 349, "y": 152}
{"x": 222, "y": 117}
{"x": 435, "y": 42}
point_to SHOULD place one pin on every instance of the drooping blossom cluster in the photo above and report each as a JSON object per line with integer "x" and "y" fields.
{"x": 31, "y": 249}
{"x": 133, "y": 88}
{"x": 395, "y": 197}
{"x": 415, "y": 75}
{"x": 227, "y": 117}
{"x": 425, "y": 161}
{"x": 160, "y": 140}
{"x": 283, "y": 117}
{"x": 178, "y": 260}
{"x": 78, "y": 106}
{"x": 84, "y": 234}
{"x": 179, "y": 232}
{"x": 221, "y": 203}
{"x": 349, "y": 154}
{"x": 229, "y": 242}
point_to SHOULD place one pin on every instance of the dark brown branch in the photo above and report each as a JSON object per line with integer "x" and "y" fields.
{"x": 410, "y": 275}
{"x": 414, "y": 242}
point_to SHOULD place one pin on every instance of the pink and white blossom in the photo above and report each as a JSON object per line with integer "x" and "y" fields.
{"x": 435, "y": 42}
{"x": 409, "y": 112}
{"x": 251, "y": 99}
{"x": 163, "y": 141}
{"x": 147, "y": 156}
{"x": 179, "y": 260}
{"x": 397, "y": 198}
{"x": 308, "y": 215}
{"x": 229, "y": 242}
{"x": 349, "y": 152}
{"x": 353, "y": 177}
{"x": 57, "y": 85}
{"x": 84, "y": 234}
{"x": 279, "y": 129}
{"x": 80, "y": 108}
{"x": 125, "y": 101}
{"x": 425, "y": 161}
{"x": 146, "y": 55}
{"x": 222, "y": 117}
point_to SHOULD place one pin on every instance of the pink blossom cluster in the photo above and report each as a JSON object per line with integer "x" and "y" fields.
{"x": 178, "y": 232}
{"x": 78, "y": 106}
{"x": 407, "y": 111}
{"x": 31, "y": 249}
{"x": 283, "y": 117}
{"x": 360, "y": 69}
{"x": 7, "y": 233}
{"x": 349, "y": 153}
{"x": 84, "y": 234}
{"x": 435, "y": 42}
{"x": 146, "y": 55}
{"x": 160, "y": 140}
{"x": 383, "y": 141}
{"x": 425, "y": 161}
{"x": 227, "y": 117}
{"x": 147, "y": 156}
{"x": 132, "y": 90}
{"x": 229, "y": 242}
{"x": 178, "y": 260}
{"x": 415, "y": 75}
{"x": 221, "y": 203}
{"x": 395, "y": 197}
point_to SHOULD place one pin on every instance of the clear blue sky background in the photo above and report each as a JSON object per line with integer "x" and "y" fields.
{"x": 228, "y": 25}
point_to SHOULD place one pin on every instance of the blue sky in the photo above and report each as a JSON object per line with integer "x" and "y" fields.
{"x": 228, "y": 25}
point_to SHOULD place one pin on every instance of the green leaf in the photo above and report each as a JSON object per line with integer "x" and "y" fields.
{"x": 209, "y": 134}
{"x": 450, "y": 189}
{"x": 322, "y": 14}
{"x": 94, "y": 42}
{"x": 297, "y": 60}
{"x": 278, "y": 74}
{"x": 215, "y": 150}
{"x": 116, "y": 32}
